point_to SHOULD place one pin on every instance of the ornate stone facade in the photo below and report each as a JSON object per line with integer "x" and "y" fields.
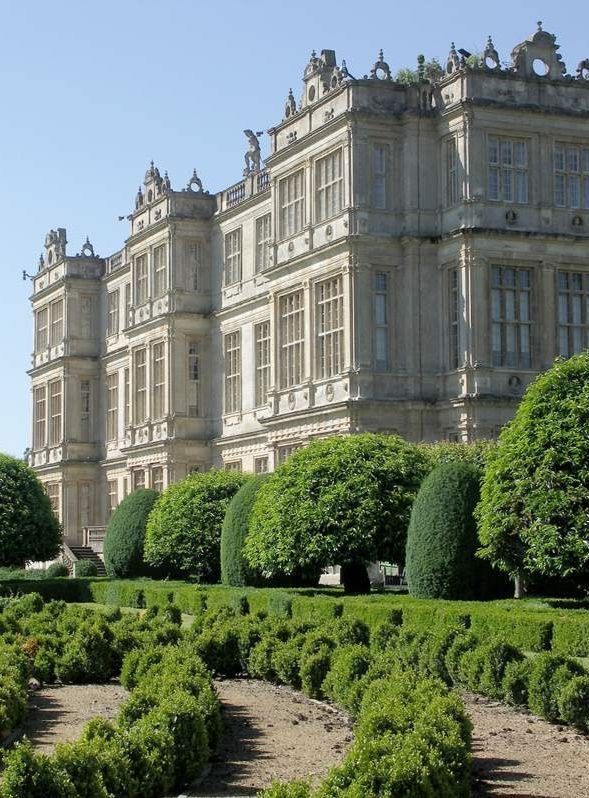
{"x": 407, "y": 259}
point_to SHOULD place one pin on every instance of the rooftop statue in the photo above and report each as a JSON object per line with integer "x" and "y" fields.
{"x": 252, "y": 156}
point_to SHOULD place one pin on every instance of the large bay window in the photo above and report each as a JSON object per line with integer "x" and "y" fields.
{"x": 329, "y": 309}
{"x": 192, "y": 260}
{"x": 329, "y": 185}
{"x": 455, "y": 312}
{"x": 113, "y": 495}
{"x": 56, "y": 322}
{"x": 511, "y": 317}
{"x": 507, "y": 169}
{"x": 112, "y": 327}
{"x": 573, "y": 313}
{"x": 292, "y": 339}
{"x": 233, "y": 372}
{"x": 291, "y": 197}
{"x": 380, "y": 159}
{"x": 263, "y": 238}
{"x": 157, "y": 478}
{"x": 381, "y": 321}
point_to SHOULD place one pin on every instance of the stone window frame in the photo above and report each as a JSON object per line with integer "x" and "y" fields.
{"x": 507, "y": 311}
{"x": 233, "y": 465}
{"x": 40, "y": 416}
{"x": 42, "y": 329}
{"x": 112, "y": 406}
{"x": 454, "y": 313}
{"x": 284, "y": 451}
{"x": 329, "y": 327}
{"x": 160, "y": 270}
{"x": 575, "y": 298}
{"x": 232, "y": 367}
{"x": 326, "y": 190}
{"x": 193, "y": 378}
{"x": 140, "y": 392}
{"x": 112, "y": 315}
{"x": 141, "y": 278}
{"x": 453, "y": 166}
{"x": 55, "y": 412}
{"x": 157, "y": 478}
{"x": 53, "y": 491}
{"x": 261, "y": 464}
{"x": 291, "y": 339}
{"x": 511, "y": 168}
{"x": 158, "y": 379}
{"x": 262, "y": 361}
{"x": 232, "y": 262}
{"x": 56, "y": 332}
{"x": 565, "y": 171}
{"x": 381, "y": 299}
{"x": 112, "y": 495}
{"x": 291, "y": 203}
{"x": 263, "y": 233}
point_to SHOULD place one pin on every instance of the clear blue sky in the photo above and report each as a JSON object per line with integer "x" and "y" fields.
{"x": 91, "y": 92}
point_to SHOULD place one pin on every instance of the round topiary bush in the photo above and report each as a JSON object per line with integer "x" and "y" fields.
{"x": 29, "y": 530}
{"x": 535, "y": 495}
{"x": 125, "y": 535}
{"x": 183, "y": 532}
{"x": 234, "y": 569}
{"x": 56, "y": 569}
{"x": 339, "y": 501}
{"x": 442, "y": 537}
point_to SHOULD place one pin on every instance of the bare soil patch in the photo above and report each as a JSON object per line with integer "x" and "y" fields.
{"x": 58, "y": 713}
{"x": 521, "y": 756}
{"x": 272, "y": 733}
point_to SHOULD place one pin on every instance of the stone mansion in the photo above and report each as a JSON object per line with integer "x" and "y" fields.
{"x": 406, "y": 259}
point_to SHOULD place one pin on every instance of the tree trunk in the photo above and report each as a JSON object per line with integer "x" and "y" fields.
{"x": 519, "y": 585}
{"x": 354, "y": 577}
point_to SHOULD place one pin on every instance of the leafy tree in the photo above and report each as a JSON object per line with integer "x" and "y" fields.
{"x": 535, "y": 495}
{"x": 338, "y": 501}
{"x": 183, "y": 533}
{"x": 234, "y": 569}
{"x": 442, "y": 538}
{"x": 125, "y": 535}
{"x": 29, "y": 530}
{"x": 476, "y": 453}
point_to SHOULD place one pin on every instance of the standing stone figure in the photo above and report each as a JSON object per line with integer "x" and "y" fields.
{"x": 252, "y": 156}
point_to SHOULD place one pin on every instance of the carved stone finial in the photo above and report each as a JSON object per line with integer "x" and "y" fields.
{"x": 539, "y": 24}
{"x": 253, "y": 155}
{"x": 453, "y": 62}
{"x": 290, "y": 108}
{"x": 380, "y": 70}
{"x": 421, "y": 68}
{"x": 166, "y": 185}
{"x": 87, "y": 249}
{"x": 491, "y": 56}
{"x": 195, "y": 181}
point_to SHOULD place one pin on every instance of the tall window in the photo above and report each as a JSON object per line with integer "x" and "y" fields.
{"x": 140, "y": 379}
{"x": 86, "y": 316}
{"x": 40, "y": 425}
{"x": 262, "y": 362}
{"x": 381, "y": 321}
{"x": 193, "y": 379}
{"x": 157, "y": 478}
{"x": 56, "y": 322}
{"x": 507, "y": 169}
{"x": 454, "y": 307}
{"x": 329, "y": 185}
{"x": 113, "y": 496}
{"x": 159, "y": 379}
{"x": 292, "y": 204}
{"x": 571, "y": 176}
{"x": 113, "y": 313}
{"x": 112, "y": 406}
{"x": 127, "y": 398}
{"x": 141, "y": 280}
{"x": 233, "y": 465}
{"x": 84, "y": 504}
{"x": 127, "y": 305}
{"x": 379, "y": 175}
{"x": 573, "y": 313}
{"x": 329, "y": 301}
{"x": 138, "y": 479}
{"x": 452, "y": 185}
{"x": 292, "y": 339}
{"x": 192, "y": 259}
{"x": 510, "y": 307}
{"x": 160, "y": 270}
{"x": 263, "y": 238}
{"x": 52, "y": 491}
{"x": 284, "y": 452}
{"x": 55, "y": 413}
{"x": 233, "y": 372}
{"x": 41, "y": 329}
{"x": 233, "y": 257}
{"x": 85, "y": 410}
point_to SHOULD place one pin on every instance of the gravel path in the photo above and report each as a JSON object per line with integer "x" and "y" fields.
{"x": 272, "y": 733}
{"x": 521, "y": 756}
{"x": 58, "y": 713}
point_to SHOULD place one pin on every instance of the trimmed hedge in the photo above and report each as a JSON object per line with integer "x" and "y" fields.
{"x": 125, "y": 535}
{"x": 234, "y": 569}
{"x": 442, "y": 537}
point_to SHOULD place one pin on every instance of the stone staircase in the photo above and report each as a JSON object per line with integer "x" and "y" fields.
{"x": 86, "y": 553}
